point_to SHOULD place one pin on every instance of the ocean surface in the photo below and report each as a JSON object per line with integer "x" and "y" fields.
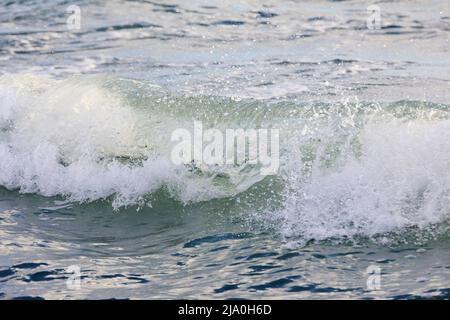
{"x": 92, "y": 207}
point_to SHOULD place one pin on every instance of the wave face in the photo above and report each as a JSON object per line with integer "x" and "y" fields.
{"x": 347, "y": 169}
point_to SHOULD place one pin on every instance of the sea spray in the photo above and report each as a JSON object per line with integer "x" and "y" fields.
{"x": 346, "y": 169}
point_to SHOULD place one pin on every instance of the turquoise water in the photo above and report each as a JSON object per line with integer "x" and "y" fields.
{"x": 92, "y": 206}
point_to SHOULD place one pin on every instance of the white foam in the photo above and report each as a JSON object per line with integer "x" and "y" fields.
{"x": 67, "y": 138}
{"x": 350, "y": 171}
{"x": 401, "y": 179}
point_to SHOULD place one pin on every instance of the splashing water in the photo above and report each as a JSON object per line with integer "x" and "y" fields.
{"x": 348, "y": 169}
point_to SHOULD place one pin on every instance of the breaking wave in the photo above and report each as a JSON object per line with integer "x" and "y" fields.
{"x": 346, "y": 169}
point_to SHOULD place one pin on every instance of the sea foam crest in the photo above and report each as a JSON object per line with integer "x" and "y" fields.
{"x": 346, "y": 169}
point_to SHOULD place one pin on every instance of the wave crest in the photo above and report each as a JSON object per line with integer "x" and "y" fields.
{"x": 347, "y": 169}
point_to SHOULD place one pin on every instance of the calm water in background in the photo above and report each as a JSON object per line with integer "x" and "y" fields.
{"x": 86, "y": 116}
